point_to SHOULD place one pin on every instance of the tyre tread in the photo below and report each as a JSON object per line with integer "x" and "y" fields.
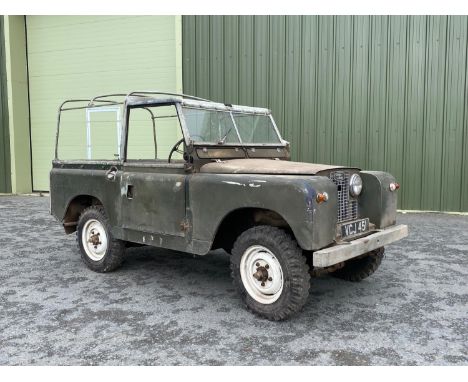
{"x": 360, "y": 269}
{"x": 116, "y": 248}
{"x": 296, "y": 263}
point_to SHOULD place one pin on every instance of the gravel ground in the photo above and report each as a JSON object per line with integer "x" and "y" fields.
{"x": 169, "y": 308}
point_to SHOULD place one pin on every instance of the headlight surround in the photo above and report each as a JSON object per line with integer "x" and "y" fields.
{"x": 355, "y": 185}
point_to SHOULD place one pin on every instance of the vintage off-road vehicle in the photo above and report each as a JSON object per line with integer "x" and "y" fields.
{"x": 228, "y": 182}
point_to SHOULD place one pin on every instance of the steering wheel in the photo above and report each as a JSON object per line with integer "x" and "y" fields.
{"x": 175, "y": 149}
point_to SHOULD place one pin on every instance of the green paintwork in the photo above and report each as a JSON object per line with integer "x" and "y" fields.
{"x": 376, "y": 201}
{"x": 18, "y": 110}
{"x": 313, "y": 227}
{"x": 78, "y": 56}
{"x": 386, "y": 93}
{"x": 5, "y": 172}
{"x": 206, "y": 200}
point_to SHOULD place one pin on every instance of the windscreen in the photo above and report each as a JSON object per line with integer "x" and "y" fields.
{"x": 255, "y": 128}
{"x": 211, "y": 126}
{"x": 225, "y": 127}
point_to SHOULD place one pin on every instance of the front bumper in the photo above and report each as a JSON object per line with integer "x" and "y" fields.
{"x": 342, "y": 252}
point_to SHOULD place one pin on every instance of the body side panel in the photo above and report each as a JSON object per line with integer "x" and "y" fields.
{"x": 214, "y": 196}
{"x": 376, "y": 201}
{"x": 68, "y": 183}
{"x": 157, "y": 203}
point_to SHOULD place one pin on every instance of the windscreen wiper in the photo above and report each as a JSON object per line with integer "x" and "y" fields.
{"x": 223, "y": 139}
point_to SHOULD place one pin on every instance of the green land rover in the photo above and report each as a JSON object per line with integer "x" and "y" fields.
{"x": 227, "y": 182}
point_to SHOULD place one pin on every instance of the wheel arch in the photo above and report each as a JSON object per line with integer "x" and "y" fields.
{"x": 75, "y": 206}
{"x": 239, "y": 220}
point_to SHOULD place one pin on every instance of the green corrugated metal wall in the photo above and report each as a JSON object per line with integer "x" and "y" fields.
{"x": 377, "y": 92}
{"x": 5, "y": 176}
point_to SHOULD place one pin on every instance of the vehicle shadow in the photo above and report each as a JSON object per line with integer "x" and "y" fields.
{"x": 204, "y": 276}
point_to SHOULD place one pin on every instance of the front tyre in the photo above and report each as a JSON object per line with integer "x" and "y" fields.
{"x": 100, "y": 251}
{"x": 270, "y": 272}
{"x": 362, "y": 267}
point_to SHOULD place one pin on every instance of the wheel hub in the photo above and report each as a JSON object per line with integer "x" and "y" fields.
{"x": 261, "y": 274}
{"x": 94, "y": 239}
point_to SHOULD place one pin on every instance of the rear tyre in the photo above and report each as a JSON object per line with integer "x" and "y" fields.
{"x": 100, "y": 251}
{"x": 270, "y": 272}
{"x": 359, "y": 269}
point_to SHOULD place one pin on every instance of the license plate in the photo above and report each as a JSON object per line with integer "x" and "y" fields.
{"x": 354, "y": 228}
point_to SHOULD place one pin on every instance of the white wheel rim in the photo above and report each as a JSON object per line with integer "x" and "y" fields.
{"x": 94, "y": 239}
{"x": 258, "y": 261}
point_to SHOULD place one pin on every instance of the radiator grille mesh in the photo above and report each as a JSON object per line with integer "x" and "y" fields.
{"x": 347, "y": 206}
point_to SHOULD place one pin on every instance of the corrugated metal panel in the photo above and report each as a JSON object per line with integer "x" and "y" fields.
{"x": 261, "y": 54}
{"x": 378, "y": 92}
{"x": 414, "y": 121}
{"x": 326, "y": 71}
{"x": 217, "y": 57}
{"x": 277, "y": 71}
{"x": 396, "y": 97}
{"x": 293, "y": 82}
{"x": 357, "y": 141}
{"x": 309, "y": 87}
{"x": 246, "y": 59}
{"x": 344, "y": 130}
{"x": 231, "y": 59}
{"x": 82, "y": 56}
{"x": 377, "y": 74}
{"x": 5, "y": 175}
{"x": 434, "y": 106}
{"x": 454, "y": 115}
{"x": 189, "y": 67}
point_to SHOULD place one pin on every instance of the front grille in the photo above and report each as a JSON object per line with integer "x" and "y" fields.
{"x": 347, "y": 205}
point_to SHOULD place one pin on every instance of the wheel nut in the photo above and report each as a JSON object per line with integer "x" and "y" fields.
{"x": 267, "y": 266}
{"x": 263, "y": 284}
{"x": 257, "y": 264}
{"x": 270, "y": 279}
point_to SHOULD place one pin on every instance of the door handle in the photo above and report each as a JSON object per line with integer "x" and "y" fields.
{"x": 111, "y": 173}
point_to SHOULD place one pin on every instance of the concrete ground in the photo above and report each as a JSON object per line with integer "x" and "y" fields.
{"x": 167, "y": 308}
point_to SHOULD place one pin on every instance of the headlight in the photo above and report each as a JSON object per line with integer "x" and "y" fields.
{"x": 355, "y": 185}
